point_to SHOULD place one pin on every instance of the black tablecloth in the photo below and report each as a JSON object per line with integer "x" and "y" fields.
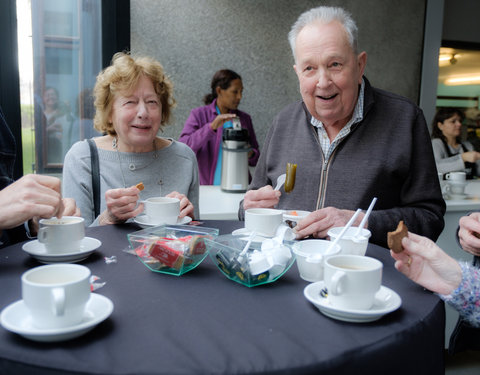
{"x": 202, "y": 322}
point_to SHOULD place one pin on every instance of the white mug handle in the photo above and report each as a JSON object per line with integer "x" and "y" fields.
{"x": 58, "y": 299}
{"x": 42, "y": 234}
{"x": 335, "y": 287}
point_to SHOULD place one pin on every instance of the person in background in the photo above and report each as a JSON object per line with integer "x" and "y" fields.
{"x": 203, "y": 128}
{"x": 133, "y": 100}
{"x": 457, "y": 283}
{"x": 58, "y": 121}
{"x": 30, "y": 198}
{"x": 451, "y": 154}
{"x": 351, "y": 142}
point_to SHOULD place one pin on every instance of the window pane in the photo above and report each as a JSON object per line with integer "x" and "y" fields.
{"x": 65, "y": 56}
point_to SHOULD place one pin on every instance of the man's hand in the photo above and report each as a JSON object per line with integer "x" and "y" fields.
{"x": 319, "y": 222}
{"x": 264, "y": 197}
{"x": 31, "y": 196}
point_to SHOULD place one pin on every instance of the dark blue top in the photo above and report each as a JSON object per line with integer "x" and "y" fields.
{"x": 7, "y": 161}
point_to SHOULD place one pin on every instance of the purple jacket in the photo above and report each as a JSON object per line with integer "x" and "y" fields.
{"x": 205, "y": 142}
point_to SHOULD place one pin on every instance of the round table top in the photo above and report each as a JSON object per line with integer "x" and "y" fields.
{"x": 201, "y": 322}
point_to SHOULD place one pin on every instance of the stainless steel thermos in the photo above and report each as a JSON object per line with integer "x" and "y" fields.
{"x": 235, "y": 148}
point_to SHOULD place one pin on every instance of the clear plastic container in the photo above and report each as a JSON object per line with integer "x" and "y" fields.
{"x": 264, "y": 262}
{"x": 172, "y": 249}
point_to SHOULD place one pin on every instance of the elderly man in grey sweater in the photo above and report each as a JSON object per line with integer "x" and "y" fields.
{"x": 351, "y": 142}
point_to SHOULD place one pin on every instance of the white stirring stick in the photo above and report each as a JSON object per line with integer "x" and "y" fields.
{"x": 247, "y": 246}
{"x": 345, "y": 228}
{"x": 365, "y": 218}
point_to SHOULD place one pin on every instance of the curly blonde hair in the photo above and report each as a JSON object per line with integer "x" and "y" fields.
{"x": 121, "y": 77}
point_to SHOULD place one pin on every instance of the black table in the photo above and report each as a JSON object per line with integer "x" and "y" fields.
{"x": 202, "y": 322}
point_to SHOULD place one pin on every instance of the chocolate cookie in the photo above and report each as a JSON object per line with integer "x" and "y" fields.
{"x": 394, "y": 239}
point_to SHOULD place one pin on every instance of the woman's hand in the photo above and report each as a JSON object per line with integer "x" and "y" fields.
{"x": 471, "y": 156}
{"x": 469, "y": 233}
{"x": 186, "y": 207}
{"x": 425, "y": 263}
{"x": 221, "y": 119}
{"x": 121, "y": 205}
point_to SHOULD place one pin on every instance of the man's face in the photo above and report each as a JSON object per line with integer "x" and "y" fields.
{"x": 329, "y": 72}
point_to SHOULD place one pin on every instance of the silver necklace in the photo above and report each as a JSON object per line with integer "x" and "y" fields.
{"x": 132, "y": 166}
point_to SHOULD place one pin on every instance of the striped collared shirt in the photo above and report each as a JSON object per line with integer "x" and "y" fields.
{"x": 357, "y": 116}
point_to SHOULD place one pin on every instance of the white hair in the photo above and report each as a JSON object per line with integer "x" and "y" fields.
{"x": 325, "y": 14}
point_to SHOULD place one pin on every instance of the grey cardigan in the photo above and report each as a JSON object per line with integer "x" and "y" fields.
{"x": 387, "y": 155}
{"x": 174, "y": 169}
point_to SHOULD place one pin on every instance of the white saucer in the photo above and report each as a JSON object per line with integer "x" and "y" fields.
{"x": 457, "y": 196}
{"x": 300, "y": 215}
{"x": 246, "y": 234}
{"x": 145, "y": 222}
{"x": 386, "y": 301}
{"x": 16, "y": 318}
{"x": 38, "y": 251}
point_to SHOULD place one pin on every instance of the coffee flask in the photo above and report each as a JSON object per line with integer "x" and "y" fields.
{"x": 235, "y": 150}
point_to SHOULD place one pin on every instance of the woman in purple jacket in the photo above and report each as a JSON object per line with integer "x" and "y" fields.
{"x": 201, "y": 128}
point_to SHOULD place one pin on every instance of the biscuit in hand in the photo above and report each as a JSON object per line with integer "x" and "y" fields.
{"x": 394, "y": 239}
{"x": 140, "y": 186}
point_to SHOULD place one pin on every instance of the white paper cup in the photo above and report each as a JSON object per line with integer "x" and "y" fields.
{"x": 311, "y": 258}
{"x": 352, "y": 281}
{"x": 61, "y": 235}
{"x": 264, "y": 221}
{"x": 162, "y": 210}
{"x": 350, "y": 243}
{"x": 56, "y": 294}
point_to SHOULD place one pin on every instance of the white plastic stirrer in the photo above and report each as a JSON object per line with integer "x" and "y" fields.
{"x": 365, "y": 218}
{"x": 247, "y": 246}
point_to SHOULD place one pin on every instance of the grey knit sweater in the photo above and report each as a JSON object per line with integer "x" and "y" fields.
{"x": 174, "y": 169}
{"x": 387, "y": 155}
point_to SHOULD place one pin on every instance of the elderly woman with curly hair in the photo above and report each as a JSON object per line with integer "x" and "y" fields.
{"x": 133, "y": 101}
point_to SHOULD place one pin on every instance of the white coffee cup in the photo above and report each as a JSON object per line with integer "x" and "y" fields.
{"x": 62, "y": 235}
{"x": 352, "y": 281}
{"x": 456, "y": 176}
{"x": 162, "y": 210}
{"x": 350, "y": 242}
{"x": 455, "y": 187}
{"x": 264, "y": 221}
{"x": 56, "y": 294}
{"x": 311, "y": 258}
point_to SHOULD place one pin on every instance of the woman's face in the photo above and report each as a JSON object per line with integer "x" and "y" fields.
{"x": 230, "y": 98}
{"x": 50, "y": 99}
{"x": 136, "y": 117}
{"x": 451, "y": 127}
